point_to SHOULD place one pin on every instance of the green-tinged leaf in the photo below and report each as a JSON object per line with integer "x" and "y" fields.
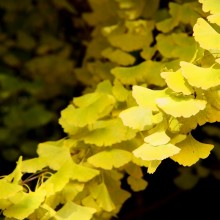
{"x": 139, "y": 32}
{"x": 57, "y": 181}
{"x": 203, "y": 31}
{"x": 177, "y": 83}
{"x": 146, "y": 97}
{"x": 82, "y": 173}
{"x": 91, "y": 107}
{"x": 53, "y": 153}
{"x": 181, "y": 106}
{"x": 110, "y": 158}
{"x": 149, "y": 152}
{"x": 137, "y": 117}
{"x": 137, "y": 184}
{"x": 180, "y": 13}
{"x": 72, "y": 211}
{"x": 108, "y": 132}
{"x": 25, "y": 205}
{"x": 200, "y": 77}
{"x": 146, "y": 72}
{"x": 34, "y": 164}
{"x": 118, "y": 56}
{"x": 177, "y": 45}
{"x": 71, "y": 190}
{"x": 119, "y": 91}
{"x": 191, "y": 151}
{"x": 101, "y": 194}
{"x": 8, "y": 189}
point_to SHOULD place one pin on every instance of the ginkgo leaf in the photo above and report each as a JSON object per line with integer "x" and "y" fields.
{"x": 25, "y": 205}
{"x": 118, "y": 56}
{"x": 200, "y": 77}
{"x": 72, "y": 210}
{"x": 153, "y": 165}
{"x": 110, "y": 158}
{"x": 202, "y": 31}
{"x": 177, "y": 45}
{"x": 137, "y": 184}
{"x": 101, "y": 194}
{"x": 149, "y": 152}
{"x": 177, "y": 83}
{"x": 33, "y": 165}
{"x": 157, "y": 136}
{"x": 212, "y": 6}
{"x": 53, "y": 154}
{"x": 108, "y": 132}
{"x": 147, "y": 71}
{"x": 137, "y": 117}
{"x": 9, "y": 189}
{"x": 181, "y": 106}
{"x": 146, "y": 97}
{"x": 119, "y": 91}
{"x": 82, "y": 173}
{"x": 91, "y": 107}
{"x": 191, "y": 151}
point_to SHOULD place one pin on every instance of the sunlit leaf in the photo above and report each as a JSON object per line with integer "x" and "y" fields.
{"x": 25, "y": 205}
{"x": 110, "y": 158}
{"x": 149, "y": 152}
{"x": 72, "y": 210}
{"x": 203, "y": 31}
{"x": 108, "y": 132}
{"x": 9, "y": 189}
{"x": 200, "y": 77}
{"x": 146, "y": 97}
{"x": 191, "y": 151}
{"x": 137, "y": 117}
{"x": 177, "y": 83}
{"x": 119, "y": 91}
{"x": 147, "y": 71}
{"x": 180, "y": 106}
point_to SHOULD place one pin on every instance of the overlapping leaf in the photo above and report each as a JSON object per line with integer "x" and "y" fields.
{"x": 191, "y": 151}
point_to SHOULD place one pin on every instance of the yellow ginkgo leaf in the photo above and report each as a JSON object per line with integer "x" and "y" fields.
{"x": 137, "y": 117}
{"x": 200, "y": 77}
{"x": 191, "y": 151}
{"x": 149, "y": 152}
{"x": 202, "y": 31}
{"x": 177, "y": 83}
{"x": 181, "y": 106}
{"x": 146, "y": 97}
{"x": 137, "y": 184}
{"x": 110, "y": 158}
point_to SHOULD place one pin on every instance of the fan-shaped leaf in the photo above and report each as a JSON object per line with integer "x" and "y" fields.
{"x": 200, "y": 77}
{"x": 110, "y": 158}
{"x": 149, "y": 152}
{"x": 191, "y": 151}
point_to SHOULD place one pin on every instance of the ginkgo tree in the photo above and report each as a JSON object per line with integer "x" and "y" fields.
{"x": 151, "y": 78}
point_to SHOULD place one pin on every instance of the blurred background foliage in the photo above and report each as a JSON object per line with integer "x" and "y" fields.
{"x": 41, "y": 42}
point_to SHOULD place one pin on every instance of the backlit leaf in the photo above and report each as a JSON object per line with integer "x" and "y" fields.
{"x": 203, "y": 31}
{"x": 72, "y": 211}
{"x": 110, "y": 158}
{"x": 137, "y": 117}
{"x": 147, "y": 71}
{"x": 9, "y": 189}
{"x": 200, "y": 77}
{"x": 181, "y": 106}
{"x": 191, "y": 151}
{"x": 109, "y": 132}
{"x": 177, "y": 83}
{"x": 25, "y": 205}
{"x": 149, "y": 152}
{"x": 146, "y": 97}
